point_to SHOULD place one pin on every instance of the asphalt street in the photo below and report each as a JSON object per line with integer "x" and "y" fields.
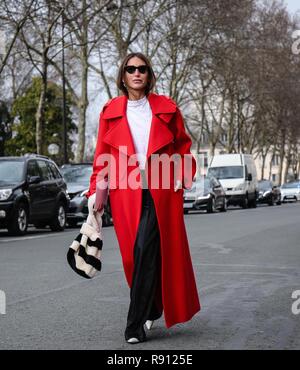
{"x": 247, "y": 264}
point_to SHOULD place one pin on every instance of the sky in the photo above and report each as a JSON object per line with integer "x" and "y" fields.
{"x": 292, "y": 5}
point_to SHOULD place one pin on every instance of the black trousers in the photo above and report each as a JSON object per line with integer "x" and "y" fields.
{"x": 145, "y": 292}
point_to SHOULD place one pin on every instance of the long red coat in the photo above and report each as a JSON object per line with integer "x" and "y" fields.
{"x": 167, "y": 135}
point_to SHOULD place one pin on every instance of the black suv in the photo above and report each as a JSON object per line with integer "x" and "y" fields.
{"x": 32, "y": 190}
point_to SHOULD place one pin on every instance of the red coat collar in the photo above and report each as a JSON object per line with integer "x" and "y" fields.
{"x": 119, "y": 135}
{"x": 159, "y": 104}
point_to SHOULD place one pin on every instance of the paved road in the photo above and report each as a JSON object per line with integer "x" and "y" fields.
{"x": 246, "y": 263}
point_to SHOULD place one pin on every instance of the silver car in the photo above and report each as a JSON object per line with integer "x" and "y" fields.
{"x": 290, "y": 191}
{"x": 77, "y": 177}
{"x": 205, "y": 193}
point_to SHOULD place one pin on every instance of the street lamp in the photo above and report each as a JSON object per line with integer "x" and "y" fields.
{"x": 53, "y": 149}
{"x": 64, "y": 121}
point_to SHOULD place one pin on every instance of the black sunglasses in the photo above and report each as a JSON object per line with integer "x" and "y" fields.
{"x": 131, "y": 69}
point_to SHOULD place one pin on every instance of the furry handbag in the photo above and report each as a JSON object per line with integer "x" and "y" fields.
{"x": 85, "y": 251}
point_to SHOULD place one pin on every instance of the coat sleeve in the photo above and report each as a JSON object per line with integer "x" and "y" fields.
{"x": 101, "y": 148}
{"x": 187, "y": 170}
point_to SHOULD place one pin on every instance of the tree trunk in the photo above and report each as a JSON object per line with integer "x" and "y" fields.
{"x": 264, "y": 156}
{"x": 40, "y": 114}
{"x": 83, "y": 101}
{"x": 282, "y": 155}
{"x": 286, "y": 170}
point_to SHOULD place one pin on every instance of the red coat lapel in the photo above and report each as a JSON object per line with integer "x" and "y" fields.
{"x": 163, "y": 110}
{"x": 119, "y": 134}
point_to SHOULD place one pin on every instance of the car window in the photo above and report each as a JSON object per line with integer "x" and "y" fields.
{"x": 228, "y": 172}
{"x": 218, "y": 183}
{"x": 290, "y": 185}
{"x": 214, "y": 183}
{"x": 54, "y": 171}
{"x": 207, "y": 184}
{"x": 45, "y": 171}
{"x": 11, "y": 171}
{"x": 264, "y": 185}
{"x": 77, "y": 174}
{"x": 32, "y": 169}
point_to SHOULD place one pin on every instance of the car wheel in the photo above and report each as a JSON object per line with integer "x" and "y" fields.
{"x": 211, "y": 208}
{"x": 271, "y": 202}
{"x": 185, "y": 211}
{"x": 254, "y": 203}
{"x": 59, "y": 219}
{"x": 224, "y": 207}
{"x": 245, "y": 202}
{"x": 19, "y": 221}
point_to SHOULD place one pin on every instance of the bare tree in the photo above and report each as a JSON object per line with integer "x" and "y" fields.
{"x": 13, "y": 17}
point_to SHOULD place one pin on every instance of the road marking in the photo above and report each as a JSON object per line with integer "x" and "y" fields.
{"x": 246, "y": 273}
{"x": 57, "y": 290}
{"x": 32, "y": 237}
{"x": 219, "y": 247}
{"x": 242, "y": 265}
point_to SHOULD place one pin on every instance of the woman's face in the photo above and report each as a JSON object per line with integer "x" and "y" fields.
{"x": 137, "y": 80}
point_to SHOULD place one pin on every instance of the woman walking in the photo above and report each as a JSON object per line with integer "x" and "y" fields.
{"x": 148, "y": 219}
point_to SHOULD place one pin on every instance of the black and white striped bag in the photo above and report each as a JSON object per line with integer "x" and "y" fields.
{"x": 84, "y": 253}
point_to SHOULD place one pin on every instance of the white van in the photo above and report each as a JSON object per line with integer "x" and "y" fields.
{"x": 237, "y": 174}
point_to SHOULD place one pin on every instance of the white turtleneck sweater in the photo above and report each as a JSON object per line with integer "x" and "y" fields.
{"x": 139, "y": 117}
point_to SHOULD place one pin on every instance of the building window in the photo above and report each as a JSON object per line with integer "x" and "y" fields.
{"x": 273, "y": 177}
{"x": 204, "y": 159}
{"x": 275, "y": 160}
{"x": 224, "y": 138}
{"x": 204, "y": 138}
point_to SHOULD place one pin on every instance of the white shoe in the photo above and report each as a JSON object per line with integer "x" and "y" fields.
{"x": 133, "y": 340}
{"x": 149, "y": 324}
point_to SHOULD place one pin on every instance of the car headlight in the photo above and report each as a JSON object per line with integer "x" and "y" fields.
{"x": 82, "y": 194}
{"x": 205, "y": 196}
{"x": 239, "y": 187}
{"x": 5, "y": 194}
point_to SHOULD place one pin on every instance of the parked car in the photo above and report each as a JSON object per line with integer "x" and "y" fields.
{"x": 206, "y": 193}
{"x": 290, "y": 191}
{"x": 77, "y": 177}
{"x": 268, "y": 193}
{"x": 237, "y": 174}
{"x": 32, "y": 190}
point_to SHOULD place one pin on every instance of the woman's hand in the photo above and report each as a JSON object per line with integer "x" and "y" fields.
{"x": 94, "y": 218}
